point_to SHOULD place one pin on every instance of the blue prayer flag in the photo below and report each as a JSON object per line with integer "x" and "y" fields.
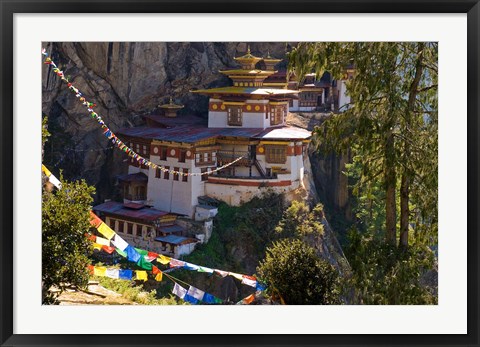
{"x": 210, "y": 299}
{"x": 260, "y": 286}
{"x": 125, "y": 274}
{"x": 190, "y": 299}
{"x": 132, "y": 254}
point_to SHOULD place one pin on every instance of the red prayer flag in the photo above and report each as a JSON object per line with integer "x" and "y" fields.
{"x": 249, "y": 299}
{"x": 108, "y": 249}
{"x": 94, "y": 220}
{"x": 91, "y": 237}
{"x": 90, "y": 269}
{"x": 155, "y": 270}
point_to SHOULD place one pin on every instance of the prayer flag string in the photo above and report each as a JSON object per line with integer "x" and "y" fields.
{"x": 112, "y": 137}
{"x": 143, "y": 258}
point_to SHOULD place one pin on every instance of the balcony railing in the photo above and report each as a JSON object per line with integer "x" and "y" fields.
{"x": 133, "y": 197}
{"x": 225, "y": 157}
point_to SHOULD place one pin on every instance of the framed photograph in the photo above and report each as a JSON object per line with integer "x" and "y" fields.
{"x": 239, "y": 173}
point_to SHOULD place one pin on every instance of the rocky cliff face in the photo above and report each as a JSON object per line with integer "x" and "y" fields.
{"x": 125, "y": 80}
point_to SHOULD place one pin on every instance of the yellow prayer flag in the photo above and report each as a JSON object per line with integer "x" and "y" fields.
{"x": 102, "y": 241}
{"x": 237, "y": 276}
{"x": 46, "y": 171}
{"x": 106, "y": 231}
{"x": 141, "y": 275}
{"x": 159, "y": 277}
{"x": 99, "y": 270}
{"x": 97, "y": 246}
{"x": 163, "y": 259}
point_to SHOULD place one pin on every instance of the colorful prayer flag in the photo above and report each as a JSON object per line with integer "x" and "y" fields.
{"x": 102, "y": 241}
{"x": 189, "y": 266}
{"x": 94, "y": 220}
{"x": 132, "y": 254}
{"x": 122, "y": 253}
{"x": 112, "y": 273}
{"x": 162, "y": 259}
{"x": 141, "y": 275}
{"x": 159, "y": 277}
{"x": 196, "y": 293}
{"x": 237, "y": 276}
{"x": 179, "y": 291}
{"x": 108, "y": 249}
{"x": 190, "y": 299}
{"x": 144, "y": 264}
{"x": 119, "y": 242}
{"x": 248, "y": 300}
{"x": 221, "y": 273}
{"x": 210, "y": 299}
{"x": 106, "y": 231}
{"x": 125, "y": 274}
{"x": 176, "y": 263}
{"x": 99, "y": 270}
{"x": 205, "y": 269}
{"x": 249, "y": 281}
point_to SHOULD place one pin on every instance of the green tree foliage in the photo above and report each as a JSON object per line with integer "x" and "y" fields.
{"x": 294, "y": 271}
{"x": 386, "y": 275}
{"x": 298, "y": 221}
{"x": 65, "y": 249}
{"x": 391, "y": 123}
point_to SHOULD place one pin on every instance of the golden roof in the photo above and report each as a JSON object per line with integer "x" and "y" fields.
{"x": 248, "y": 58}
{"x": 171, "y": 105}
{"x": 269, "y": 59}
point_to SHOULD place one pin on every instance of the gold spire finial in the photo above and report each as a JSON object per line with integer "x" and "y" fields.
{"x": 171, "y": 101}
{"x": 248, "y": 49}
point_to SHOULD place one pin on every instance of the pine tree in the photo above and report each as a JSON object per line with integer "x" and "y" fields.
{"x": 391, "y": 121}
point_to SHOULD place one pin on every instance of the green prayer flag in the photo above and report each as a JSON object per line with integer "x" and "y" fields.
{"x": 122, "y": 253}
{"x": 141, "y": 251}
{"x": 144, "y": 264}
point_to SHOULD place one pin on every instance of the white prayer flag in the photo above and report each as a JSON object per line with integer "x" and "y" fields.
{"x": 196, "y": 293}
{"x": 112, "y": 273}
{"x": 179, "y": 291}
{"x": 53, "y": 180}
{"x": 120, "y": 243}
{"x": 102, "y": 241}
{"x": 237, "y": 276}
{"x": 249, "y": 282}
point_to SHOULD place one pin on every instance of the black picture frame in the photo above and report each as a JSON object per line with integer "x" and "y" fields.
{"x": 9, "y": 8}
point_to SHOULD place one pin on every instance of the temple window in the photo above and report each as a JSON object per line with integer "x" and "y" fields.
{"x": 185, "y": 177}
{"x": 120, "y": 226}
{"x": 205, "y": 158}
{"x": 234, "y": 115}
{"x": 129, "y": 228}
{"x": 166, "y": 173}
{"x": 163, "y": 153}
{"x": 277, "y": 115}
{"x": 158, "y": 173}
{"x": 175, "y": 174}
{"x": 112, "y": 224}
{"x": 276, "y": 154}
{"x": 182, "y": 156}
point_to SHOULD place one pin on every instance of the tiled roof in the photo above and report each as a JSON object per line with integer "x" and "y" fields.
{"x": 195, "y": 133}
{"x": 284, "y": 132}
{"x": 175, "y": 239}
{"x": 136, "y": 177}
{"x": 246, "y": 90}
{"x": 118, "y": 209}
